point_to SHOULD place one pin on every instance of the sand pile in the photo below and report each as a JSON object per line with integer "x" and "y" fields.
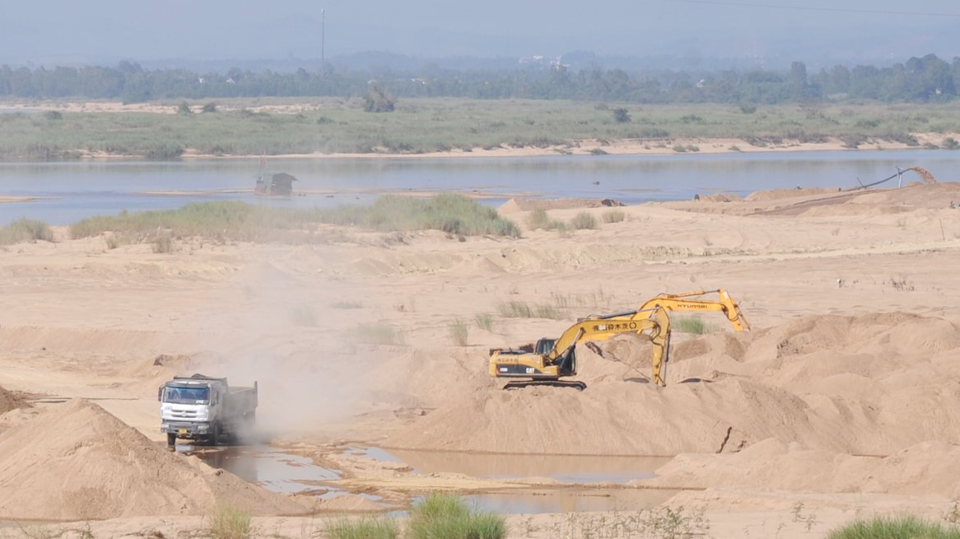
{"x": 530, "y": 204}
{"x": 79, "y": 462}
{"x": 928, "y": 468}
{"x": 10, "y": 401}
{"x": 869, "y": 384}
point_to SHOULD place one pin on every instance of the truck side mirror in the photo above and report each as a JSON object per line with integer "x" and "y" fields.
{"x": 160, "y": 393}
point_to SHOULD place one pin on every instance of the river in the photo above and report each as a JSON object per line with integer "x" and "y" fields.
{"x": 70, "y": 191}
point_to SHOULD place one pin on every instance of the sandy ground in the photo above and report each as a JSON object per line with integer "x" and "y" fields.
{"x": 841, "y": 403}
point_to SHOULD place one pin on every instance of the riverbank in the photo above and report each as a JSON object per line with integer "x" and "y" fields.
{"x": 159, "y": 131}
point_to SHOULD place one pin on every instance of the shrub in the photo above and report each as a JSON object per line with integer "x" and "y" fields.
{"x": 112, "y": 242}
{"x": 365, "y": 527}
{"x": 184, "y": 108}
{"x": 446, "y": 516}
{"x": 163, "y": 244}
{"x": 53, "y": 115}
{"x": 163, "y": 152}
{"x": 613, "y": 216}
{"x": 230, "y": 523}
{"x": 459, "y": 332}
{"x": 907, "y": 527}
{"x": 25, "y": 230}
{"x": 584, "y": 220}
{"x": 538, "y": 218}
{"x": 377, "y": 100}
{"x": 620, "y": 115}
{"x": 209, "y": 107}
{"x": 950, "y": 143}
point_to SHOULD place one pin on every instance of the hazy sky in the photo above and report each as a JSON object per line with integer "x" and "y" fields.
{"x": 104, "y": 31}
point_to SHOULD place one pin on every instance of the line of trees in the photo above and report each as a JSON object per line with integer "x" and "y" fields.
{"x": 926, "y": 79}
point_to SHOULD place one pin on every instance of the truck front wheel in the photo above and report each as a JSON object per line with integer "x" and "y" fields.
{"x": 215, "y": 434}
{"x": 171, "y": 440}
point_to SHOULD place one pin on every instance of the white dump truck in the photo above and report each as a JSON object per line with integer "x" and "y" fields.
{"x": 205, "y": 409}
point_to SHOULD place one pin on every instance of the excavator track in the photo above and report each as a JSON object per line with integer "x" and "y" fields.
{"x": 520, "y": 384}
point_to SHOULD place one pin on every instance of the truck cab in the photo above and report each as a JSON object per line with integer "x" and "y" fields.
{"x": 205, "y": 409}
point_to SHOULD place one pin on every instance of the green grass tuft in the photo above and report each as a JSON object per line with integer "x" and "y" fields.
{"x": 230, "y": 523}
{"x": 459, "y": 332}
{"x": 365, "y": 527}
{"x": 25, "y": 230}
{"x": 907, "y": 527}
{"x": 446, "y": 516}
{"x": 584, "y": 221}
{"x": 484, "y": 321}
{"x": 693, "y": 325}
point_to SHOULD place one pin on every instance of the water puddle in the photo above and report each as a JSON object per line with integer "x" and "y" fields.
{"x": 278, "y": 471}
{"x": 270, "y": 468}
{"x": 565, "y": 469}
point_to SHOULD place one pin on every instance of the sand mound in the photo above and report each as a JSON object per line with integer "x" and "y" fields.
{"x": 776, "y": 194}
{"x": 529, "y": 204}
{"x": 852, "y": 384}
{"x": 78, "y": 462}
{"x": 928, "y": 468}
{"x": 10, "y": 401}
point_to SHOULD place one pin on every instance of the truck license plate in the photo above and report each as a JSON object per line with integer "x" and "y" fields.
{"x": 183, "y": 431}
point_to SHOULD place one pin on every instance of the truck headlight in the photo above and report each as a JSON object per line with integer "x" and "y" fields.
{"x": 164, "y": 426}
{"x": 202, "y": 428}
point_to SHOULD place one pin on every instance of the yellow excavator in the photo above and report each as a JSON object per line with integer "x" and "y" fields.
{"x": 552, "y": 359}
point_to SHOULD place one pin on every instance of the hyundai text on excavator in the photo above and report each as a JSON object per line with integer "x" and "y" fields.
{"x": 552, "y": 359}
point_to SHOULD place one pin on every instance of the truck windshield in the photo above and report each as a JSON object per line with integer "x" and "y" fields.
{"x": 186, "y": 395}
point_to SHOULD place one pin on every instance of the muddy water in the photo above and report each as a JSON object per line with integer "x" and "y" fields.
{"x": 566, "y": 469}
{"x": 277, "y": 471}
{"x": 270, "y": 468}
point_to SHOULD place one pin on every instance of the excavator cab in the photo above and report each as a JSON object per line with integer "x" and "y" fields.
{"x": 544, "y": 346}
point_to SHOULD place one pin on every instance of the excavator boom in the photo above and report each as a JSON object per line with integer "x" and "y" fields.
{"x": 553, "y": 359}
{"x": 682, "y": 302}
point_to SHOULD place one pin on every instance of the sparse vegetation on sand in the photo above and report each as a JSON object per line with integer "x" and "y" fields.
{"x": 522, "y": 309}
{"x": 237, "y": 221}
{"x": 230, "y": 523}
{"x": 25, "y": 230}
{"x": 447, "y": 516}
{"x": 614, "y": 216}
{"x": 906, "y": 527}
{"x": 364, "y": 527}
{"x": 452, "y": 213}
{"x": 695, "y": 325}
{"x": 459, "y": 332}
{"x": 378, "y": 333}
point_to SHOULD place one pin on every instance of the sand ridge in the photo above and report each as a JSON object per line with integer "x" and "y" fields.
{"x": 77, "y": 462}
